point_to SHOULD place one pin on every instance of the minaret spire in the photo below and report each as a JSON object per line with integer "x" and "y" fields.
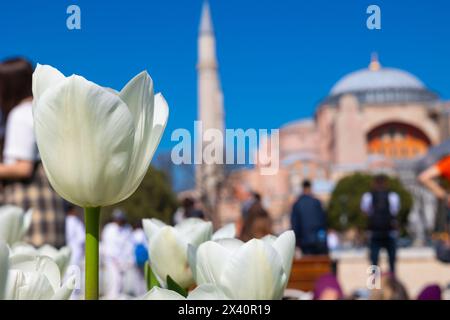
{"x": 209, "y": 176}
{"x": 206, "y": 25}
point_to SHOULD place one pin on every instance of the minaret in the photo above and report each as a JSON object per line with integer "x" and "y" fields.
{"x": 210, "y": 110}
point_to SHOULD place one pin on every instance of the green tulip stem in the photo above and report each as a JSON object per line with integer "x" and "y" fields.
{"x": 92, "y": 222}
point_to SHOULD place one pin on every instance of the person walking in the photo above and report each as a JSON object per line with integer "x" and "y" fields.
{"x": 257, "y": 223}
{"x": 309, "y": 222}
{"x": 382, "y": 206}
{"x": 75, "y": 234}
{"x": 117, "y": 249}
{"x": 187, "y": 210}
{"x": 441, "y": 169}
{"x": 22, "y": 175}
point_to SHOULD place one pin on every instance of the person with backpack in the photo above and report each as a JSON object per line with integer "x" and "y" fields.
{"x": 382, "y": 206}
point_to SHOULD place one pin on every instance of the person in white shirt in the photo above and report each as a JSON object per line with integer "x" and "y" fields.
{"x": 134, "y": 282}
{"x": 21, "y": 173}
{"x": 75, "y": 235}
{"x": 75, "y": 240}
{"x": 117, "y": 250}
{"x": 382, "y": 207}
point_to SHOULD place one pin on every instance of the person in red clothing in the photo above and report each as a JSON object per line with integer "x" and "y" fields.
{"x": 440, "y": 169}
{"x": 427, "y": 178}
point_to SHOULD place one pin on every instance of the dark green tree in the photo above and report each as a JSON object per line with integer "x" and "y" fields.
{"x": 344, "y": 206}
{"x": 153, "y": 199}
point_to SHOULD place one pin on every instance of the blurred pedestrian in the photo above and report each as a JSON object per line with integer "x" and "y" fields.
{"x": 75, "y": 234}
{"x": 21, "y": 172}
{"x": 440, "y": 169}
{"x": 327, "y": 287}
{"x": 382, "y": 206}
{"x": 309, "y": 222}
{"x": 75, "y": 240}
{"x": 188, "y": 209}
{"x": 118, "y": 254}
{"x": 257, "y": 223}
{"x": 431, "y": 292}
{"x": 134, "y": 277}
{"x": 246, "y": 197}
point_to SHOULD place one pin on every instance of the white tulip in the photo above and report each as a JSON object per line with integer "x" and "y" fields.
{"x": 258, "y": 269}
{"x": 96, "y": 144}
{"x": 4, "y": 266}
{"x": 228, "y": 231}
{"x": 168, "y": 247}
{"x": 14, "y": 223}
{"x": 61, "y": 257}
{"x": 36, "y": 278}
{"x": 203, "y": 292}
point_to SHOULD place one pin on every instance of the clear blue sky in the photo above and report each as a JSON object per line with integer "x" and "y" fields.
{"x": 278, "y": 59}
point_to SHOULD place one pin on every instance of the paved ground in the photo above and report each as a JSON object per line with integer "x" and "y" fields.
{"x": 417, "y": 267}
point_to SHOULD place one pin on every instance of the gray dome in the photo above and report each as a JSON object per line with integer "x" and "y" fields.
{"x": 374, "y": 80}
{"x": 377, "y": 85}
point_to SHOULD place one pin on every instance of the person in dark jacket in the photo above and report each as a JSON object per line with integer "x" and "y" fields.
{"x": 309, "y": 222}
{"x": 382, "y": 207}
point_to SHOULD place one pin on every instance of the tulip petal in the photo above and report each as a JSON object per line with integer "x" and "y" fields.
{"x": 27, "y": 218}
{"x": 194, "y": 230}
{"x": 21, "y": 248}
{"x": 192, "y": 260}
{"x": 45, "y": 77}
{"x": 285, "y": 246}
{"x": 151, "y": 138}
{"x": 254, "y": 272}
{"x": 61, "y": 257}
{"x": 139, "y": 96}
{"x": 231, "y": 244}
{"x": 66, "y": 290}
{"x": 28, "y": 286}
{"x": 85, "y": 135}
{"x": 152, "y": 227}
{"x": 227, "y": 231}
{"x": 11, "y": 222}
{"x": 4, "y": 267}
{"x": 211, "y": 262}
{"x": 37, "y": 265}
{"x": 168, "y": 256}
{"x": 207, "y": 292}
{"x": 162, "y": 294}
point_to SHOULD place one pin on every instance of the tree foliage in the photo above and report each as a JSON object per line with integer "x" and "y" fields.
{"x": 153, "y": 199}
{"x": 344, "y": 207}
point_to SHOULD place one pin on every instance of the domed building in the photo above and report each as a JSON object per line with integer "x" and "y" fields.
{"x": 376, "y": 119}
{"x": 376, "y": 114}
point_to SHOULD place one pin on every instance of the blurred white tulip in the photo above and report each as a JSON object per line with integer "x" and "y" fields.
{"x": 14, "y": 223}
{"x": 36, "y": 278}
{"x": 203, "y": 292}
{"x": 255, "y": 270}
{"x": 96, "y": 144}
{"x": 61, "y": 257}
{"x": 4, "y": 266}
{"x": 228, "y": 231}
{"x": 168, "y": 247}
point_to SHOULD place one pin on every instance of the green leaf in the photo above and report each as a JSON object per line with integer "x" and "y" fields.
{"x": 150, "y": 278}
{"x": 172, "y": 285}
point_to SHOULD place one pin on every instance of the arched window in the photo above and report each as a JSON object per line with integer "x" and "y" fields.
{"x": 397, "y": 141}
